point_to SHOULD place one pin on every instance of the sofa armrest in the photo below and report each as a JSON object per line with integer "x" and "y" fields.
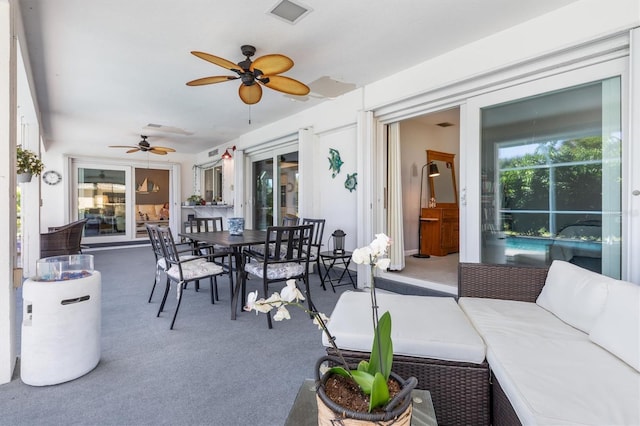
{"x": 522, "y": 283}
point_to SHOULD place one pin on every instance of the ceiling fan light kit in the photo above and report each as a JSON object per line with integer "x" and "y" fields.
{"x": 264, "y": 70}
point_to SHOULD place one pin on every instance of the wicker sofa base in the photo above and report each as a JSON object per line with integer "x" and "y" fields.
{"x": 459, "y": 391}
{"x": 502, "y": 412}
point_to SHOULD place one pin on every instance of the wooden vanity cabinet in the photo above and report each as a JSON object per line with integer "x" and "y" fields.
{"x": 440, "y": 227}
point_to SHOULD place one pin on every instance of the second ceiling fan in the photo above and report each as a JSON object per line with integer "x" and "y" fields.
{"x": 144, "y": 146}
{"x": 263, "y": 70}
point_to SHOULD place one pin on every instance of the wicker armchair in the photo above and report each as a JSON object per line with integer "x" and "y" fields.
{"x": 61, "y": 240}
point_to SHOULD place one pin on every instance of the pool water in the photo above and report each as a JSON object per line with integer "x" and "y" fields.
{"x": 528, "y": 244}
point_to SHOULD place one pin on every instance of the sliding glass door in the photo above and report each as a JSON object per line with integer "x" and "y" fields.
{"x": 263, "y": 194}
{"x": 118, "y": 200}
{"x": 279, "y": 170}
{"x": 102, "y": 200}
{"x": 551, "y": 174}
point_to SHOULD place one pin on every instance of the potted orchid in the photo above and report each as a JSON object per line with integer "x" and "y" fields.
{"x": 372, "y": 376}
{"x": 27, "y": 164}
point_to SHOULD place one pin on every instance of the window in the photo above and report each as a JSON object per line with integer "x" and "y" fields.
{"x": 551, "y": 178}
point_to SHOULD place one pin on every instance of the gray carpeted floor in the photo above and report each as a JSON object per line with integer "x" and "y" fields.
{"x": 209, "y": 370}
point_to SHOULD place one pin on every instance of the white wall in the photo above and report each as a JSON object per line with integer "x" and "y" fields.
{"x": 336, "y": 204}
{"x": 569, "y": 26}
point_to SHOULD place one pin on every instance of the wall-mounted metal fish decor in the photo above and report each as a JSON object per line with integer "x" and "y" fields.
{"x": 335, "y": 162}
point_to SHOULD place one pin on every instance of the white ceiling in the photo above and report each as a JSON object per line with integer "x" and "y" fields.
{"x": 104, "y": 70}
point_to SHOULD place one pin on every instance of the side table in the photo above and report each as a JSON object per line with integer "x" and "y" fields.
{"x": 329, "y": 260}
{"x": 305, "y": 409}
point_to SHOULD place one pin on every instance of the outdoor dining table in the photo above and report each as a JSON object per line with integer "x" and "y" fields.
{"x": 249, "y": 237}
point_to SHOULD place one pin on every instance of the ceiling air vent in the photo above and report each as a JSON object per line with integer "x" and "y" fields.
{"x": 289, "y": 11}
{"x": 213, "y": 153}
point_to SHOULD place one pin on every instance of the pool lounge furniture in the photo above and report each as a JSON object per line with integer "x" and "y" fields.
{"x": 562, "y": 343}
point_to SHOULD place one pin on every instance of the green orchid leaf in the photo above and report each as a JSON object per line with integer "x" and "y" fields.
{"x": 382, "y": 350}
{"x": 379, "y": 392}
{"x": 339, "y": 370}
{"x": 364, "y": 380}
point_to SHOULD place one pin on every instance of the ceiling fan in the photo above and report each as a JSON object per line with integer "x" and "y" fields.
{"x": 263, "y": 70}
{"x": 144, "y": 146}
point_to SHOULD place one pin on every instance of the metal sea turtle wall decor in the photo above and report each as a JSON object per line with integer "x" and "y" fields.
{"x": 351, "y": 182}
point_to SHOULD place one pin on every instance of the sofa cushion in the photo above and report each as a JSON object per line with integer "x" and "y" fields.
{"x": 573, "y": 294}
{"x": 421, "y": 326}
{"x": 550, "y": 371}
{"x": 617, "y": 329}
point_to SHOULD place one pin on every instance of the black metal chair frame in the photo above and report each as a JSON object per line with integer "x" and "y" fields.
{"x": 172, "y": 257}
{"x": 290, "y": 220}
{"x": 290, "y": 244}
{"x": 212, "y": 224}
{"x": 158, "y": 252}
{"x": 317, "y": 234}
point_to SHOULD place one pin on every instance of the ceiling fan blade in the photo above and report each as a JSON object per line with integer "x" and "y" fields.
{"x": 157, "y": 151}
{"x": 285, "y": 85}
{"x": 272, "y": 64}
{"x": 217, "y": 60}
{"x": 250, "y": 94}
{"x": 211, "y": 80}
{"x": 122, "y": 146}
{"x": 162, "y": 148}
{"x": 133, "y": 150}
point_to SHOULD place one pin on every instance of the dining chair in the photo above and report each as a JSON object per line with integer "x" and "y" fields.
{"x": 182, "y": 271}
{"x": 185, "y": 253}
{"x": 217, "y": 254}
{"x": 289, "y": 259}
{"x": 287, "y": 220}
{"x": 316, "y": 240}
{"x": 290, "y": 220}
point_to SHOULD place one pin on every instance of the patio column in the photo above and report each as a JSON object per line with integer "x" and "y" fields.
{"x": 7, "y": 189}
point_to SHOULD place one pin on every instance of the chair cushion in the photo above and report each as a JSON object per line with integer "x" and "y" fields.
{"x": 194, "y": 270}
{"x": 162, "y": 264}
{"x": 275, "y": 270}
{"x": 573, "y": 294}
{"x": 617, "y": 329}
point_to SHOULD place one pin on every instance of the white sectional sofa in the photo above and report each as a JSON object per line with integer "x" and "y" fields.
{"x": 563, "y": 347}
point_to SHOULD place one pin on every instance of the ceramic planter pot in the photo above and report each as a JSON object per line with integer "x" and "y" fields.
{"x": 24, "y": 177}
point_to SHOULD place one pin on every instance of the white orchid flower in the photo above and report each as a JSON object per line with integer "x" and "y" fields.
{"x": 380, "y": 244}
{"x": 259, "y": 305}
{"x": 282, "y": 314}
{"x": 362, "y": 256}
{"x": 251, "y": 301}
{"x": 274, "y": 300}
{"x": 324, "y": 318}
{"x": 383, "y": 264}
{"x": 291, "y": 292}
